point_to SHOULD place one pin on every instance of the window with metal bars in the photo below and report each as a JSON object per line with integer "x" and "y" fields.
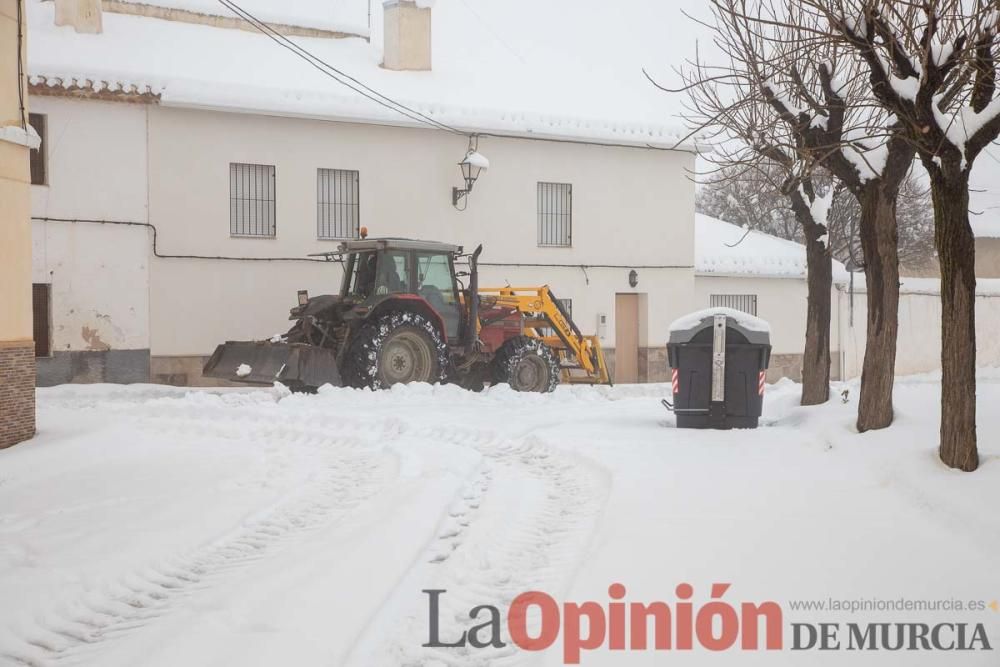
{"x": 41, "y": 295}
{"x": 555, "y": 214}
{"x": 338, "y": 207}
{"x": 37, "y": 158}
{"x": 251, "y": 200}
{"x": 744, "y": 302}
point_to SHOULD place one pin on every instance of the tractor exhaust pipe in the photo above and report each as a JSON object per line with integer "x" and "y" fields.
{"x": 471, "y": 331}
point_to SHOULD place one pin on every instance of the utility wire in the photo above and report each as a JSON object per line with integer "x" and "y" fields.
{"x": 336, "y": 74}
{"x": 20, "y": 63}
{"x": 160, "y": 255}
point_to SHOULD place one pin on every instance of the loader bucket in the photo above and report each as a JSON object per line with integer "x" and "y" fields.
{"x": 257, "y": 362}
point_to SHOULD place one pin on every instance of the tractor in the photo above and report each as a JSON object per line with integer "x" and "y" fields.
{"x": 404, "y": 315}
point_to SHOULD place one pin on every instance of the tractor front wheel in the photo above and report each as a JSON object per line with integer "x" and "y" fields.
{"x": 526, "y": 364}
{"x": 396, "y": 348}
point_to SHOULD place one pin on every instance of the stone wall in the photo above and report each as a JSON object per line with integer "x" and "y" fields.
{"x": 17, "y": 392}
{"x": 118, "y": 366}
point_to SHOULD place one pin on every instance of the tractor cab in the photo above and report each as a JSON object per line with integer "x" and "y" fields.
{"x": 376, "y": 270}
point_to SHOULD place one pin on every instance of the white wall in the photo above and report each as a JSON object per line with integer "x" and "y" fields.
{"x": 100, "y": 284}
{"x": 96, "y": 164}
{"x": 631, "y": 207}
{"x": 96, "y": 160}
{"x": 780, "y": 301}
{"x": 919, "y": 343}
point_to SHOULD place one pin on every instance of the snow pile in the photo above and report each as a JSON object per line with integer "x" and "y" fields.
{"x": 243, "y": 371}
{"x": 477, "y": 159}
{"x": 745, "y": 320}
{"x": 819, "y": 211}
{"x": 725, "y": 249}
{"x": 156, "y": 526}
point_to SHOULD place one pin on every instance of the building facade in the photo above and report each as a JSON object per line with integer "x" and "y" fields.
{"x": 17, "y": 139}
{"x": 172, "y": 216}
{"x": 119, "y": 305}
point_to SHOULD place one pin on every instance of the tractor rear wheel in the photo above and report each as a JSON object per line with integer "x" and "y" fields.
{"x": 396, "y": 348}
{"x": 526, "y": 364}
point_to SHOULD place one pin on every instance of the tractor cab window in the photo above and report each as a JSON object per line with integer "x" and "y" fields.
{"x": 372, "y": 277}
{"x": 362, "y": 282}
{"x": 436, "y": 284}
{"x": 393, "y": 273}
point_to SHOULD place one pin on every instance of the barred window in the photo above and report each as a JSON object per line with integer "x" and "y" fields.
{"x": 251, "y": 200}
{"x": 555, "y": 214}
{"x": 744, "y": 302}
{"x": 337, "y": 204}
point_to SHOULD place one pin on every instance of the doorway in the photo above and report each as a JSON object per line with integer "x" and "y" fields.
{"x": 626, "y": 338}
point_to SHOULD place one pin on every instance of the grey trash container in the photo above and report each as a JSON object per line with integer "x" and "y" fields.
{"x": 719, "y": 359}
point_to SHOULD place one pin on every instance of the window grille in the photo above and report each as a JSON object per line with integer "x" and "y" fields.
{"x": 555, "y": 214}
{"x": 337, "y": 204}
{"x": 251, "y": 200}
{"x": 743, "y": 302}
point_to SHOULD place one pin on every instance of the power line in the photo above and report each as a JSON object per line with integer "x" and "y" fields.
{"x": 337, "y": 75}
{"x": 20, "y": 64}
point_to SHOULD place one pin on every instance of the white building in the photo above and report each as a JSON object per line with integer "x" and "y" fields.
{"x": 156, "y": 126}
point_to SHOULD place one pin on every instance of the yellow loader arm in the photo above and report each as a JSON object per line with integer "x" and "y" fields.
{"x": 581, "y": 357}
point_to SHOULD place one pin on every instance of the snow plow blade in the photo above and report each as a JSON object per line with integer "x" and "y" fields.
{"x": 255, "y": 362}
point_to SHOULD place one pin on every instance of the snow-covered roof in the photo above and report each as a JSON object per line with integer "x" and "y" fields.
{"x": 346, "y": 16}
{"x": 562, "y": 69}
{"x": 725, "y": 249}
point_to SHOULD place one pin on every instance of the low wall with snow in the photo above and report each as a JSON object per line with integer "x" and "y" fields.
{"x": 919, "y": 342}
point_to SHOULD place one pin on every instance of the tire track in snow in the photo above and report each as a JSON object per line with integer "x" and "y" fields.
{"x": 522, "y": 522}
{"x": 350, "y": 467}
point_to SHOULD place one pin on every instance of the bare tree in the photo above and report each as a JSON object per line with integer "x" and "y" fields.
{"x": 727, "y": 103}
{"x": 795, "y": 77}
{"x": 748, "y": 200}
{"x": 933, "y": 65}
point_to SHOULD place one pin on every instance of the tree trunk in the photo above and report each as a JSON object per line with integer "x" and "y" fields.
{"x": 880, "y": 244}
{"x": 956, "y": 251}
{"x": 816, "y": 358}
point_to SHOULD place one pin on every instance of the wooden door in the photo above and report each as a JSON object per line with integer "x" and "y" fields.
{"x": 626, "y": 338}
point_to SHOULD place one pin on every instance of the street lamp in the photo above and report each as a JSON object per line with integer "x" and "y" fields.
{"x": 472, "y": 165}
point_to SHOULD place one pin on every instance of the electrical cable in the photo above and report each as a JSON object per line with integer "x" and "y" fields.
{"x": 158, "y": 254}
{"x": 156, "y": 251}
{"x": 20, "y": 64}
{"x": 334, "y": 73}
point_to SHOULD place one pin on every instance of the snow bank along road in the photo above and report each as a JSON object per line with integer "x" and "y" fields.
{"x": 156, "y": 526}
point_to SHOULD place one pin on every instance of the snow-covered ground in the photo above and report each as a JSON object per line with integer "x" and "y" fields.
{"x": 147, "y": 525}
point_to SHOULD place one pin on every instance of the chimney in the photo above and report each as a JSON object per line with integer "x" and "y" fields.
{"x": 83, "y": 15}
{"x": 407, "y": 34}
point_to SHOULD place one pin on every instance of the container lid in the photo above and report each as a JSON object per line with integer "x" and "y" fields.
{"x": 756, "y": 330}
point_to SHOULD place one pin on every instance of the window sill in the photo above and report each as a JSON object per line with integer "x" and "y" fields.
{"x": 254, "y": 236}
{"x": 552, "y": 245}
